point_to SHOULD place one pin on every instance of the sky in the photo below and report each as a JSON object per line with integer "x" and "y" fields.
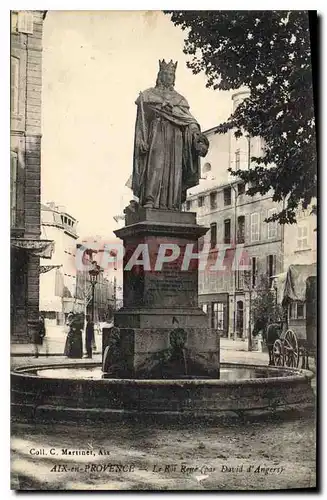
{"x": 95, "y": 63}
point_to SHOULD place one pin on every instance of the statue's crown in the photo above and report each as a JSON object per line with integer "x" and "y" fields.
{"x": 164, "y": 66}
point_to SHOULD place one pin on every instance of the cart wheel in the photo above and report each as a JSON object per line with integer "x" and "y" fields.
{"x": 291, "y": 349}
{"x": 278, "y": 355}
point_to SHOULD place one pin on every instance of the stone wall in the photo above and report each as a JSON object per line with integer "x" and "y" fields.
{"x": 26, "y": 53}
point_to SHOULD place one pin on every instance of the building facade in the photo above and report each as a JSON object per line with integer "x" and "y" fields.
{"x": 105, "y": 289}
{"x": 25, "y": 168}
{"x": 301, "y": 239}
{"x": 58, "y": 275}
{"x": 236, "y": 224}
{"x": 104, "y": 295}
{"x": 235, "y": 220}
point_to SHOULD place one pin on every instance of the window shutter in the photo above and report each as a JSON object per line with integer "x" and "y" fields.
{"x": 255, "y": 226}
{"x": 259, "y": 227}
{"x": 14, "y": 18}
{"x": 14, "y": 85}
{"x": 25, "y": 22}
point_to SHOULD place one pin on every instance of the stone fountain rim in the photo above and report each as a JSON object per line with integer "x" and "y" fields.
{"x": 296, "y": 375}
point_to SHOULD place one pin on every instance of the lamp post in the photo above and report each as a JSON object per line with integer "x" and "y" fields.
{"x": 94, "y": 273}
{"x": 275, "y": 291}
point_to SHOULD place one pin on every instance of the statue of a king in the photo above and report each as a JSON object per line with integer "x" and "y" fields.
{"x": 167, "y": 146}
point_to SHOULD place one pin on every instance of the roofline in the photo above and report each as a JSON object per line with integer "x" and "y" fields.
{"x": 214, "y": 187}
{"x": 211, "y": 130}
{"x": 50, "y": 209}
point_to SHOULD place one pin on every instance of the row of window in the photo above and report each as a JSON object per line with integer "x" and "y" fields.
{"x": 245, "y": 280}
{"x": 219, "y": 317}
{"x": 66, "y": 220}
{"x": 213, "y": 196}
{"x": 248, "y": 279}
{"x": 217, "y": 314}
{"x": 240, "y": 233}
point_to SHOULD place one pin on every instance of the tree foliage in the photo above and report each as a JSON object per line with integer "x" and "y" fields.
{"x": 264, "y": 309}
{"x": 269, "y": 53}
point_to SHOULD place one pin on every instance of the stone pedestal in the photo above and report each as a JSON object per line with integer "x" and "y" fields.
{"x": 160, "y": 298}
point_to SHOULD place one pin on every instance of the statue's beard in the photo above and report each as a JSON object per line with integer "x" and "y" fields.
{"x": 163, "y": 85}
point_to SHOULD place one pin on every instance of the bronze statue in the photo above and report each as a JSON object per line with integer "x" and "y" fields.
{"x": 167, "y": 146}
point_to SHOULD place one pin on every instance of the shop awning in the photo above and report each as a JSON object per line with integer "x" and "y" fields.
{"x": 297, "y": 275}
{"x": 46, "y": 269}
{"x": 41, "y": 248}
{"x": 291, "y": 285}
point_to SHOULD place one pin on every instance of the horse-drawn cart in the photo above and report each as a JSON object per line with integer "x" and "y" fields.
{"x": 296, "y": 291}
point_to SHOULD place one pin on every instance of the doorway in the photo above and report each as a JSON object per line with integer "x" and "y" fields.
{"x": 240, "y": 318}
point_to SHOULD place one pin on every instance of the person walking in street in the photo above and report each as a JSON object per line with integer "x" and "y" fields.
{"x": 89, "y": 336}
{"x": 39, "y": 336}
{"x": 68, "y": 333}
{"x": 74, "y": 344}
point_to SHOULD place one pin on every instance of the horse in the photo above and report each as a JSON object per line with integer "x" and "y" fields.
{"x": 273, "y": 333}
{"x": 269, "y": 335}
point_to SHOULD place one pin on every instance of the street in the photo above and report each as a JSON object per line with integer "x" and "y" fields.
{"x": 56, "y": 338}
{"x": 236, "y": 454}
{"x": 124, "y": 456}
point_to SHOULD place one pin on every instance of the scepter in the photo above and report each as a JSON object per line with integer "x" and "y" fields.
{"x": 144, "y": 136}
{"x": 142, "y": 116}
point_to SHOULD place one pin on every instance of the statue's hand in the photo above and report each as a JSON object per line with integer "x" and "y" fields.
{"x": 166, "y": 106}
{"x": 144, "y": 148}
{"x": 201, "y": 144}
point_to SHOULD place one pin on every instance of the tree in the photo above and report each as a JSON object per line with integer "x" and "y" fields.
{"x": 264, "y": 308}
{"x": 269, "y": 53}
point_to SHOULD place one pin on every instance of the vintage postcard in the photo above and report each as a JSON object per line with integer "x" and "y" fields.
{"x": 163, "y": 176}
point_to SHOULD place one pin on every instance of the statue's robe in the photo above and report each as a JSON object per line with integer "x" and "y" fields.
{"x": 162, "y": 175}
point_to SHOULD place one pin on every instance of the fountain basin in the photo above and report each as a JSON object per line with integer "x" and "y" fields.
{"x": 72, "y": 391}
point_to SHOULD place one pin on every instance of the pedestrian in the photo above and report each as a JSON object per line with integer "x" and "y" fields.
{"x": 68, "y": 333}
{"x": 38, "y": 336}
{"x": 89, "y": 336}
{"x": 74, "y": 344}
